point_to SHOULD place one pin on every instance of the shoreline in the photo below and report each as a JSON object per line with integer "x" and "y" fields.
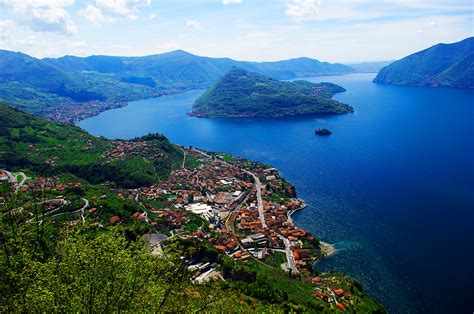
{"x": 83, "y": 111}
{"x": 327, "y": 248}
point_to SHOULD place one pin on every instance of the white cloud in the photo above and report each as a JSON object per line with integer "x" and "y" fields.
{"x": 53, "y": 20}
{"x": 152, "y": 16}
{"x": 231, "y": 1}
{"x": 45, "y": 44}
{"x": 114, "y": 7}
{"x": 22, "y": 5}
{"x": 193, "y": 24}
{"x": 106, "y": 11}
{"x": 319, "y": 10}
{"x": 302, "y": 8}
{"x": 6, "y": 25}
{"x": 44, "y": 15}
{"x": 94, "y": 15}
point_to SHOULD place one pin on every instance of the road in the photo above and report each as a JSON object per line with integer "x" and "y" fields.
{"x": 80, "y": 210}
{"x": 184, "y": 158}
{"x": 258, "y": 185}
{"x": 83, "y": 208}
{"x": 290, "y": 259}
{"x": 22, "y": 182}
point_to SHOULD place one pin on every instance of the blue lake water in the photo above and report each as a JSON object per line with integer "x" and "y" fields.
{"x": 392, "y": 187}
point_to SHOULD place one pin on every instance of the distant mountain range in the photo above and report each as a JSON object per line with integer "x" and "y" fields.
{"x": 33, "y": 83}
{"x": 449, "y": 65}
{"x": 369, "y": 67}
{"x": 240, "y": 93}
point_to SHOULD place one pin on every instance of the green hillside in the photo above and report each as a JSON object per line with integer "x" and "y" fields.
{"x": 28, "y": 142}
{"x": 245, "y": 94}
{"x": 450, "y": 65}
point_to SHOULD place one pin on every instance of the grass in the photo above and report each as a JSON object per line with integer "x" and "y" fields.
{"x": 275, "y": 259}
{"x": 191, "y": 162}
{"x": 298, "y": 291}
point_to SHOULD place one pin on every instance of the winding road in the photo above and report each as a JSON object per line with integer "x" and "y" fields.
{"x": 184, "y": 158}
{"x": 22, "y": 182}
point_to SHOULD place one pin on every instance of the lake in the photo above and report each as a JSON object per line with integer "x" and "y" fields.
{"x": 392, "y": 187}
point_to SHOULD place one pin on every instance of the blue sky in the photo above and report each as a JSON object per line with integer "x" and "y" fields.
{"x": 329, "y": 30}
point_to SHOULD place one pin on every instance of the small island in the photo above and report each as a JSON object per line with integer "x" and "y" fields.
{"x": 322, "y": 132}
{"x": 241, "y": 94}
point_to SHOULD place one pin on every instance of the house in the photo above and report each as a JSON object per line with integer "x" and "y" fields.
{"x": 220, "y": 248}
{"x": 341, "y": 306}
{"x": 153, "y": 241}
{"x": 3, "y": 176}
{"x": 114, "y": 220}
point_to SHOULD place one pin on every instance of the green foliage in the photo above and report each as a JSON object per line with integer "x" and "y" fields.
{"x": 46, "y": 268}
{"x": 243, "y": 94}
{"x": 195, "y": 223}
{"x": 449, "y": 65}
{"x": 275, "y": 260}
{"x": 28, "y": 142}
{"x": 105, "y": 273}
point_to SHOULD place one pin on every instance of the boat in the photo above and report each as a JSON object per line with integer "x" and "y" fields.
{"x": 323, "y": 132}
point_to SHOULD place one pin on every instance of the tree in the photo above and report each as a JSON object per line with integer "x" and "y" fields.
{"x": 105, "y": 272}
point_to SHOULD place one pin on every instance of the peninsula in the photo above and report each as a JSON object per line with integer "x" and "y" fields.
{"x": 240, "y": 93}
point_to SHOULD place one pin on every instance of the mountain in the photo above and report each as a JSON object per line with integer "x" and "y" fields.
{"x": 240, "y": 93}
{"x": 182, "y": 68}
{"x": 40, "y": 85}
{"x": 369, "y": 67}
{"x": 298, "y": 67}
{"x": 26, "y": 81}
{"x": 449, "y": 65}
{"x": 46, "y": 148}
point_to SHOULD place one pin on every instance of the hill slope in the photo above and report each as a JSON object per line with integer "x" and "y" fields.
{"x": 245, "y": 94}
{"x": 40, "y": 85}
{"x": 51, "y": 149}
{"x": 450, "y": 65}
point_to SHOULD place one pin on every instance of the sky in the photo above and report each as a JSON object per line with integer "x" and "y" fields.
{"x": 255, "y": 30}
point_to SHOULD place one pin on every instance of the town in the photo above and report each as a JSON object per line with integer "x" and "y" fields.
{"x": 241, "y": 208}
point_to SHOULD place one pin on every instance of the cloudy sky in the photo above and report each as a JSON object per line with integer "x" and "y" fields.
{"x": 330, "y": 30}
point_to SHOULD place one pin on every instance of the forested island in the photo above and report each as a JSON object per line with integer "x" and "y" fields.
{"x": 89, "y": 224}
{"x": 443, "y": 65}
{"x": 240, "y": 93}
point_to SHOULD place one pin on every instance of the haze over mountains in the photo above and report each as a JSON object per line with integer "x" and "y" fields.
{"x": 33, "y": 83}
{"x": 449, "y": 65}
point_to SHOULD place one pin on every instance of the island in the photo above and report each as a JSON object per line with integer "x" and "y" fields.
{"x": 443, "y": 65}
{"x": 322, "y": 132}
{"x": 155, "y": 225}
{"x": 240, "y": 94}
